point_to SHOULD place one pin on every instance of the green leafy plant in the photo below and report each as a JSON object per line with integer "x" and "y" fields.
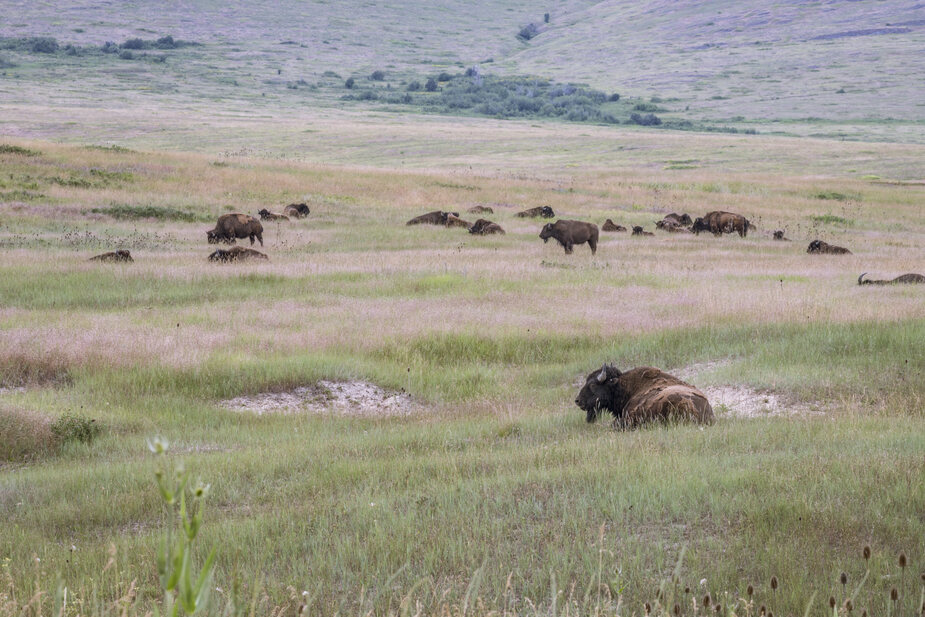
{"x": 71, "y": 427}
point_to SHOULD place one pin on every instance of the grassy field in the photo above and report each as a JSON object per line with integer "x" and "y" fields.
{"x": 493, "y": 495}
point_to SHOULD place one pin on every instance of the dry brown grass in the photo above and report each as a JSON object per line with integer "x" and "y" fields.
{"x": 25, "y": 435}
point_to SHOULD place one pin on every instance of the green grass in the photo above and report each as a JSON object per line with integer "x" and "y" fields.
{"x": 160, "y": 213}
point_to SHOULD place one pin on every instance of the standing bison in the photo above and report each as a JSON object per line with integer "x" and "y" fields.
{"x": 569, "y": 233}
{"x": 903, "y": 279}
{"x": 542, "y": 211}
{"x": 641, "y": 395}
{"x": 484, "y": 227}
{"x": 611, "y": 226}
{"x": 719, "y": 223}
{"x": 232, "y": 226}
{"x": 824, "y": 248}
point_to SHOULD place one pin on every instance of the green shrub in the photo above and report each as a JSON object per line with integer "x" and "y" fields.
{"x": 831, "y": 219}
{"x": 377, "y": 76}
{"x": 528, "y": 32}
{"x": 645, "y": 119}
{"x": 414, "y": 86}
{"x": 831, "y": 195}
{"x": 431, "y": 85}
{"x": 126, "y": 55}
{"x": 349, "y": 83}
{"x": 135, "y": 44}
{"x": 75, "y": 428}
{"x": 44, "y": 45}
{"x": 9, "y": 149}
{"x": 128, "y": 212}
{"x": 24, "y": 435}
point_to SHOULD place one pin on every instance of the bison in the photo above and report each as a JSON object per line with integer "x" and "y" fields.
{"x": 569, "y": 233}
{"x": 437, "y": 217}
{"x": 234, "y": 225}
{"x": 638, "y": 231}
{"x": 115, "y": 257}
{"x": 641, "y": 395}
{"x": 484, "y": 227}
{"x": 682, "y": 220}
{"x": 454, "y": 221}
{"x": 480, "y": 210}
{"x": 236, "y": 253}
{"x": 719, "y": 223}
{"x": 298, "y": 211}
{"x": 611, "y": 226}
{"x": 903, "y": 279}
{"x": 541, "y": 211}
{"x": 820, "y": 247}
{"x": 779, "y": 235}
{"x": 671, "y": 227}
{"x": 266, "y": 215}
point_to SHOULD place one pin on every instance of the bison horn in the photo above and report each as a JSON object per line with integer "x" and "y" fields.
{"x": 602, "y": 376}
{"x": 860, "y": 282}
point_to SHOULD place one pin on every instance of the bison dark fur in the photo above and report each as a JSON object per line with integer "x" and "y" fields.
{"x": 903, "y": 279}
{"x": 569, "y": 233}
{"x": 484, "y": 227}
{"x": 641, "y": 395}
{"x": 820, "y": 247}
{"x": 679, "y": 219}
{"x": 298, "y": 211}
{"x": 480, "y": 210}
{"x": 638, "y": 231}
{"x": 266, "y": 215}
{"x": 455, "y": 221}
{"x": 236, "y": 253}
{"x": 437, "y": 217}
{"x": 611, "y": 226}
{"x": 779, "y": 235}
{"x": 115, "y": 256}
{"x": 718, "y": 223}
{"x": 541, "y": 211}
{"x": 235, "y": 225}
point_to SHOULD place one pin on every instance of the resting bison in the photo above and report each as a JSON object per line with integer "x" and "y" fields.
{"x": 779, "y": 235}
{"x": 671, "y": 227}
{"x": 480, "y": 210}
{"x": 298, "y": 211}
{"x": 640, "y": 395}
{"x": 543, "y": 211}
{"x": 569, "y": 233}
{"x": 484, "y": 227}
{"x": 115, "y": 256}
{"x": 719, "y": 223}
{"x": 454, "y": 221}
{"x": 231, "y": 226}
{"x": 611, "y": 226}
{"x": 437, "y": 217}
{"x": 638, "y": 231}
{"x": 236, "y": 253}
{"x": 679, "y": 219}
{"x": 266, "y": 215}
{"x": 818, "y": 246}
{"x": 904, "y": 279}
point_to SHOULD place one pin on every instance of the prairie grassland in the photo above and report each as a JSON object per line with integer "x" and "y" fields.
{"x": 496, "y": 478}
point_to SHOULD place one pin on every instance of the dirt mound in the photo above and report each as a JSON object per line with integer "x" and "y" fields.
{"x": 346, "y": 398}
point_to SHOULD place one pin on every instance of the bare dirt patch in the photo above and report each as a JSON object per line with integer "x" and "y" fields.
{"x": 346, "y": 398}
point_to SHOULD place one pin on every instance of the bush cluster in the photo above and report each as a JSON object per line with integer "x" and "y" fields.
{"x": 75, "y": 428}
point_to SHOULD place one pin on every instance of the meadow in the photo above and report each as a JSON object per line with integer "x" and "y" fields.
{"x": 492, "y": 495}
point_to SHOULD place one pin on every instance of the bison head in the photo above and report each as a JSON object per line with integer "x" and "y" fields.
{"x": 263, "y": 213}
{"x": 212, "y": 236}
{"x": 546, "y": 232}
{"x": 547, "y": 212}
{"x": 602, "y": 392}
{"x": 814, "y": 247}
{"x": 699, "y": 225}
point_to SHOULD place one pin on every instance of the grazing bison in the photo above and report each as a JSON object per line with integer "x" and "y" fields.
{"x": 638, "y": 231}
{"x": 542, "y": 211}
{"x": 640, "y": 395}
{"x": 298, "y": 211}
{"x": 266, "y": 215}
{"x": 480, "y": 210}
{"x": 569, "y": 233}
{"x": 611, "y": 226}
{"x": 779, "y": 235}
{"x": 236, "y": 253}
{"x": 484, "y": 227}
{"x": 115, "y": 256}
{"x": 903, "y": 279}
{"x": 719, "y": 223}
{"x": 454, "y": 221}
{"x": 818, "y": 246}
{"x": 231, "y": 226}
{"x": 437, "y": 217}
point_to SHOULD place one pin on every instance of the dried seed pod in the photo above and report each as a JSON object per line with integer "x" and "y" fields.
{"x": 774, "y": 583}
{"x": 831, "y": 601}
{"x": 750, "y": 590}
{"x": 866, "y": 553}
{"x": 677, "y": 609}
{"x": 706, "y": 600}
{"x": 648, "y": 608}
{"x": 894, "y": 595}
{"x": 843, "y": 578}
{"x": 902, "y": 560}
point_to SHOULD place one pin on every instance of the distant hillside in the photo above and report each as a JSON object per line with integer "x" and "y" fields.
{"x": 838, "y": 68}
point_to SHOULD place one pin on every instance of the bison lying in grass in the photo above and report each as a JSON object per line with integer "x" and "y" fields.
{"x": 484, "y": 227}
{"x": 611, "y": 226}
{"x": 639, "y": 231}
{"x": 298, "y": 211}
{"x": 569, "y": 233}
{"x": 824, "y": 248}
{"x": 115, "y": 257}
{"x": 541, "y": 211}
{"x": 454, "y": 221}
{"x": 903, "y": 279}
{"x": 266, "y": 215}
{"x": 480, "y": 210}
{"x": 437, "y": 217}
{"x": 236, "y": 253}
{"x": 779, "y": 235}
{"x": 682, "y": 220}
{"x": 235, "y": 225}
{"x": 641, "y": 395}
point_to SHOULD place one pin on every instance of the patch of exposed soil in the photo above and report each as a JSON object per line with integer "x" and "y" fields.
{"x": 346, "y": 398}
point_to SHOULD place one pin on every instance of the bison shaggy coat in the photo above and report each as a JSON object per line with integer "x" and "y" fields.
{"x": 484, "y": 227}
{"x": 641, "y": 395}
{"x": 115, "y": 257}
{"x": 779, "y": 235}
{"x": 437, "y": 217}
{"x": 455, "y": 221}
{"x": 266, "y": 215}
{"x": 480, "y": 210}
{"x": 541, "y": 211}
{"x": 235, "y": 225}
{"x": 569, "y": 233}
{"x": 236, "y": 253}
{"x": 679, "y": 219}
{"x": 638, "y": 231}
{"x": 718, "y": 223}
{"x": 298, "y": 211}
{"x": 910, "y": 278}
{"x": 611, "y": 226}
{"x": 820, "y": 247}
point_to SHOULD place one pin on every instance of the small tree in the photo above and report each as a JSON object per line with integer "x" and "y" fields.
{"x": 349, "y": 83}
{"x": 377, "y": 76}
{"x": 431, "y": 85}
{"x": 414, "y": 86}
